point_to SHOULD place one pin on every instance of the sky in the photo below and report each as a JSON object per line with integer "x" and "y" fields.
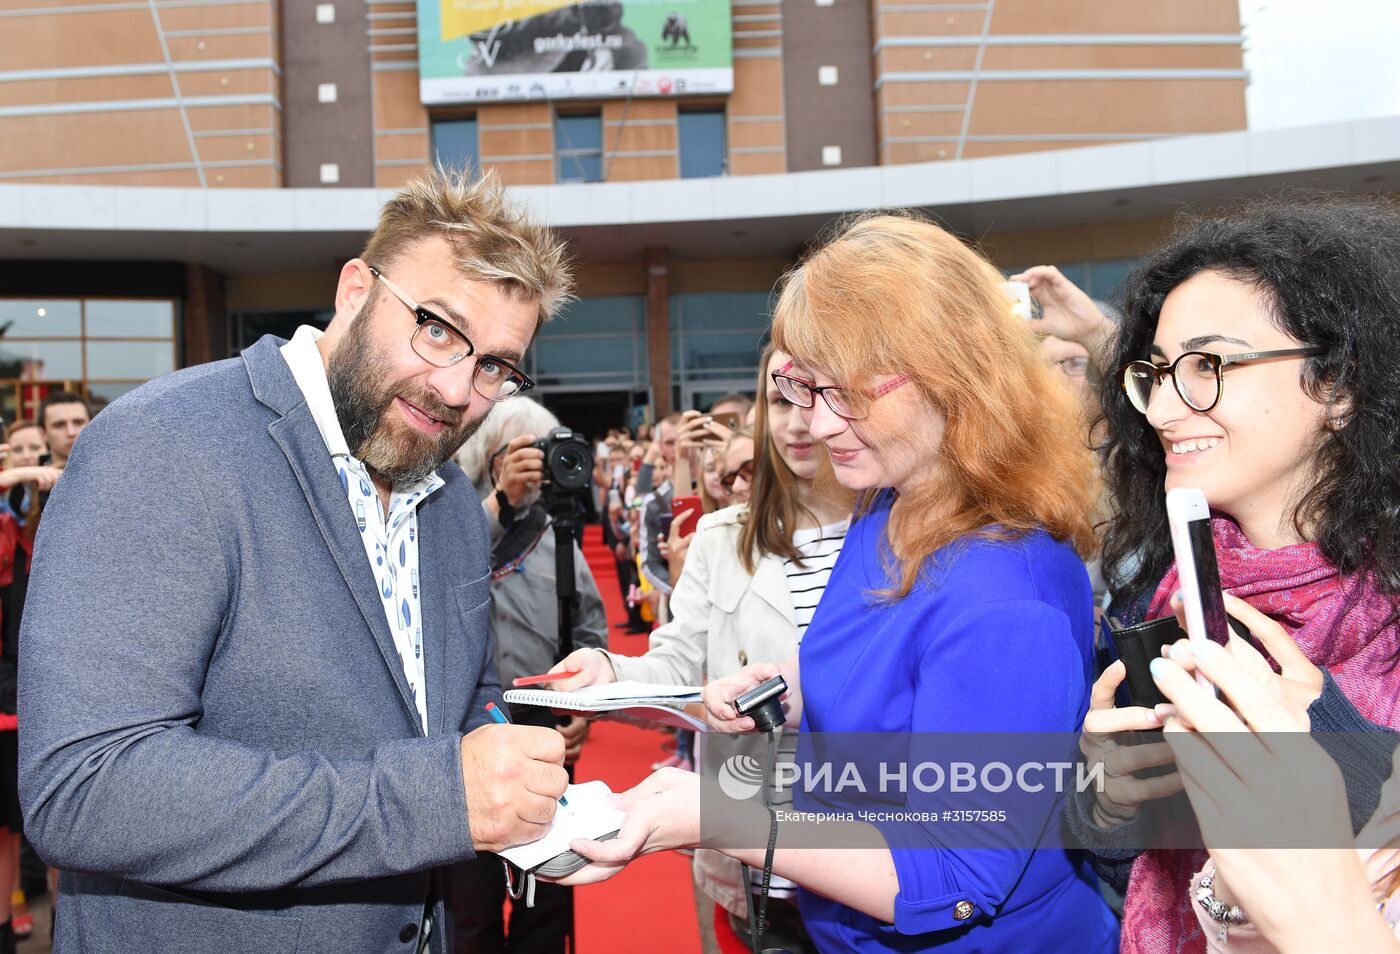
{"x": 1320, "y": 61}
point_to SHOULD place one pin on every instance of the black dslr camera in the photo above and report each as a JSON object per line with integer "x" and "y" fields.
{"x": 568, "y": 462}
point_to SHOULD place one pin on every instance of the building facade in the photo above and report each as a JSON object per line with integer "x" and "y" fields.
{"x": 274, "y": 93}
{"x": 179, "y": 177}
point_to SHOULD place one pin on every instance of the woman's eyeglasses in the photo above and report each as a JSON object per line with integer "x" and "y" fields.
{"x": 1197, "y": 375}
{"x": 744, "y": 470}
{"x": 438, "y": 342}
{"x": 853, "y": 404}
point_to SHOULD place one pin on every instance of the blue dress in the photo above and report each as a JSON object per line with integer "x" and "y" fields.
{"x": 997, "y": 637}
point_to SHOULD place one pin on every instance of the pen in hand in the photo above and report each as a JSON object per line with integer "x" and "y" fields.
{"x": 500, "y": 717}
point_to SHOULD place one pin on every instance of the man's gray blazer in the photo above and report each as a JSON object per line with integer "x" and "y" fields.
{"x": 217, "y": 745}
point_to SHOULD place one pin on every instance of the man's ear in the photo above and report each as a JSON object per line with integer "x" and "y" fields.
{"x": 354, "y": 288}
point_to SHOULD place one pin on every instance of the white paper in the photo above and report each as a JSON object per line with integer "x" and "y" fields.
{"x": 588, "y": 815}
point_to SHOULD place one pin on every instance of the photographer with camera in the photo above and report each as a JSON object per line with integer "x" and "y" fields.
{"x": 532, "y": 491}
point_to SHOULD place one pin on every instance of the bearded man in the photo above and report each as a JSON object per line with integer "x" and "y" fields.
{"x": 256, "y": 651}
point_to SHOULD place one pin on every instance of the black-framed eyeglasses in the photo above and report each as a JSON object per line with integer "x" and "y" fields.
{"x": 744, "y": 470}
{"x": 443, "y": 345}
{"x": 1197, "y": 375}
{"x": 853, "y": 404}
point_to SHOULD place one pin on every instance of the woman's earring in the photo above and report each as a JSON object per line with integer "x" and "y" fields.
{"x": 1336, "y": 423}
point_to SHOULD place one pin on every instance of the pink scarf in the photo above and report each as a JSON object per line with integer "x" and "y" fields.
{"x": 1339, "y": 623}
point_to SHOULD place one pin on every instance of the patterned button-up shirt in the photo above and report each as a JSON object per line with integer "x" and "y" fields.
{"x": 390, "y": 539}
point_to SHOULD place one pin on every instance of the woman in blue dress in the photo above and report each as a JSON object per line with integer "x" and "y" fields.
{"x": 960, "y": 604}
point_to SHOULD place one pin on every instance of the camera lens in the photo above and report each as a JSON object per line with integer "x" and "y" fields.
{"x": 570, "y": 462}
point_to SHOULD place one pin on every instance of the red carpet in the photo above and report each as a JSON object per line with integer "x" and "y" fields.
{"x": 650, "y": 907}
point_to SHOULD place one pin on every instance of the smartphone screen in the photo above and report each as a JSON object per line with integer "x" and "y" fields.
{"x": 1208, "y": 580}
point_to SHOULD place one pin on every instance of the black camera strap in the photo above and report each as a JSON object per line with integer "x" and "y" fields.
{"x": 758, "y": 919}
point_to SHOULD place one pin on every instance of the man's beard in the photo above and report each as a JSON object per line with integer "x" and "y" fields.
{"x": 390, "y": 449}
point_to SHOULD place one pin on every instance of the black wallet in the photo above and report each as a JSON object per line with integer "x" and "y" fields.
{"x": 1137, "y": 646}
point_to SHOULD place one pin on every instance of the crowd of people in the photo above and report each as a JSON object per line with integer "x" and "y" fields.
{"x": 930, "y": 517}
{"x": 35, "y": 453}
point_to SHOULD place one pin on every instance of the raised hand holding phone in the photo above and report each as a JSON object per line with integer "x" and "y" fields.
{"x": 1188, "y": 513}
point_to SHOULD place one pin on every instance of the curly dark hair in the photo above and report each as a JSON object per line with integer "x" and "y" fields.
{"x": 1329, "y": 270}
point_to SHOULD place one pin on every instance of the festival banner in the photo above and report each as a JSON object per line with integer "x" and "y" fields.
{"x": 475, "y": 51}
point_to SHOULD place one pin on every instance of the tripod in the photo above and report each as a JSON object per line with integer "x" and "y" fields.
{"x": 565, "y": 509}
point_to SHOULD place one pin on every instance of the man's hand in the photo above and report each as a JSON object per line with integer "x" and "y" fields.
{"x": 41, "y": 477}
{"x": 513, "y": 776}
{"x": 522, "y": 469}
{"x": 575, "y": 733}
{"x": 698, "y": 432}
{"x": 1069, "y": 313}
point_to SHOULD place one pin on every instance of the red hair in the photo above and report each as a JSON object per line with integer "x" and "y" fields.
{"x": 893, "y": 294}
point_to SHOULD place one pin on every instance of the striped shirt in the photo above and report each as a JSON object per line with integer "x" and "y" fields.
{"x": 819, "y": 546}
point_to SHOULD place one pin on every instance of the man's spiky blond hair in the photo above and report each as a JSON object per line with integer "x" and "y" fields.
{"x": 495, "y": 240}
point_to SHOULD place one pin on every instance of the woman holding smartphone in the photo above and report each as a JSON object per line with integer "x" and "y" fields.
{"x": 1257, "y": 360}
{"x": 753, "y": 576}
{"x": 960, "y": 602}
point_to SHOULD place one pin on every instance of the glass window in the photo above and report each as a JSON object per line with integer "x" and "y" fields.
{"x": 41, "y": 360}
{"x": 249, "y": 326}
{"x": 702, "y": 142}
{"x": 578, "y": 144}
{"x": 594, "y": 341}
{"x": 727, "y": 353}
{"x": 111, "y": 318}
{"x": 586, "y": 356}
{"x": 102, "y": 393}
{"x": 1106, "y": 278}
{"x": 22, "y": 318}
{"x": 455, "y": 143}
{"x": 605, "y": 314}
{"x": 718, "y": 334}
{"x": 720, "y": 311}
{"x": 57, "y": 343}
{"x": 130, "y": 359}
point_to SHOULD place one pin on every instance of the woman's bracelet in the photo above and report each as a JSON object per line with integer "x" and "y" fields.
{"x": 1220, "y": 912}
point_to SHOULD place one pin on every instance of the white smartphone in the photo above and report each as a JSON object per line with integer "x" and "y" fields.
{"x": 1189, "y": 515}
{"x": 1023, "y": 303}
